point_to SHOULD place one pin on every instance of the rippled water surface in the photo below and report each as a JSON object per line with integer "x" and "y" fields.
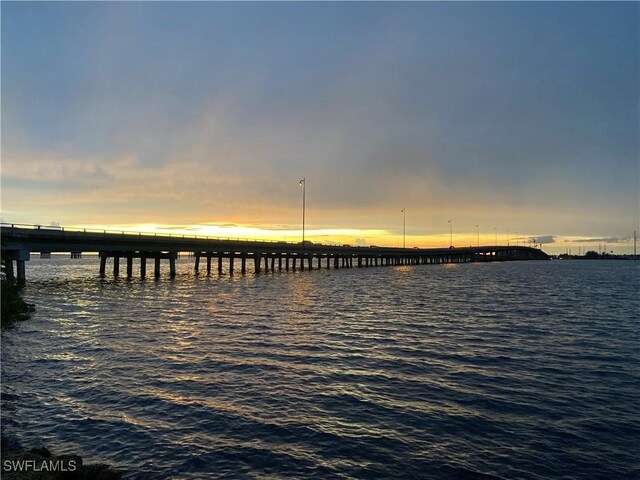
{"x": 522, "y": 370}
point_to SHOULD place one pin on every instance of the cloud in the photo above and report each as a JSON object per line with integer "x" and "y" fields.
{"x": 601, "y": 240}
{"x": 361, "y": 242}
{"x": 543, "y": 239}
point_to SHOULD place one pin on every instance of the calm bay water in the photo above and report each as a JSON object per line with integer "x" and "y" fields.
{"x": 522, "y": 370}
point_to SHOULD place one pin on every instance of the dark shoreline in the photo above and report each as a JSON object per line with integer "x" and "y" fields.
{"x": 41, "y": 464}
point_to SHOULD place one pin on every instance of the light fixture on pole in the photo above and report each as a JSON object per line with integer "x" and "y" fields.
{"x": 404, "y": 227}
{"x": 450, "y": 234}
{"x": 303, "y": 183}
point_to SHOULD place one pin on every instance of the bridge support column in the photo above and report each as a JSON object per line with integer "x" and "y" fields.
{"x": 143, "y": 266}
{"x": 172, "y": 264}
{"x": 266, "y": 264}
{"x": 328, "y": 262}
{"x": 286, "y": 263}
{"x": 243, "y": 264}
{"x": 219, "y": 263}
{"x": 129, "y": 266}
{"x": 21, "y": 271}
{"x": 273, "y": 263}
{"x": 103, "y": 265}
{"x": 116, "y": 266}
{"x": 208, "y": 264}
{"x": 156, "y": 270}
{"x": 256, "y": 263}
{"x": 196, "y": 267}
{"x": 279, "y": 263}
{"x": 293, "y": 260}
{"x": 302, "y": 263}
{"x": 232, "y": 260}
{"x": 310, "y": 261}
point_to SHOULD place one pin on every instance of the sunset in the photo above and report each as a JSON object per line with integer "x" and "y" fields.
{"x": 325, "y": 240}
{"x": 516, "y": 117}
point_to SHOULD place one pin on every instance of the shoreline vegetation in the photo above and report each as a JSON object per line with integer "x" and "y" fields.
{"x": 13, "y": 307}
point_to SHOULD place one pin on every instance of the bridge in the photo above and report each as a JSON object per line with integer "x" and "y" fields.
{"x": 18, "y": 242}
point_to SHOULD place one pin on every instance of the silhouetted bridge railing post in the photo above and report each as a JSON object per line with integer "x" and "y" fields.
{"x": 19, "y": 241}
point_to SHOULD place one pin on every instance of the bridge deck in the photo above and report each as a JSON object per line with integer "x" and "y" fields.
{"x": 18, "y": 242}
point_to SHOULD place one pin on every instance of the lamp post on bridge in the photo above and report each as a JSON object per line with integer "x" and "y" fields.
{"x": 450, "y": 234}
{"x": 303, "y": 183}
{"x": 404, "y": 227}
{"x": 478, "y": 229}
{"x": 495, "y": 231}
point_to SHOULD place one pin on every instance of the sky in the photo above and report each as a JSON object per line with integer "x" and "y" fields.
{"x": 516, "y": 121}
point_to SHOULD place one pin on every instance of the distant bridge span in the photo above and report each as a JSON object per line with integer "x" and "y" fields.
{"x": 19, "y": 241}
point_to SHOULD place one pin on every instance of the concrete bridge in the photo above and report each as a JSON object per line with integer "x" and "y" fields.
{"x": 20, "y": 241}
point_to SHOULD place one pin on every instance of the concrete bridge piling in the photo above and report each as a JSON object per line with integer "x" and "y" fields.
{"x": 143, "y": 256}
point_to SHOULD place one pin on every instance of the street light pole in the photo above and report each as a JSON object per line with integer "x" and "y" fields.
{"x": 478, "y": 227}
{"x": 450, "y": 234}
{"x": 495, "y": 231}
{"x": 303, "y": 182}
{"x": 404, "y": 227}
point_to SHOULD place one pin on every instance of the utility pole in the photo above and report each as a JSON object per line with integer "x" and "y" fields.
{"x": 303, "y": 182}
{"x": 404, "y": 227}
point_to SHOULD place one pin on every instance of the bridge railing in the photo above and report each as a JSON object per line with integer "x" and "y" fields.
{"x": 56, "y": 228}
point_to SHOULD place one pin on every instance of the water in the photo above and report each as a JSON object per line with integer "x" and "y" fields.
{"x": 522, "y": 370}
